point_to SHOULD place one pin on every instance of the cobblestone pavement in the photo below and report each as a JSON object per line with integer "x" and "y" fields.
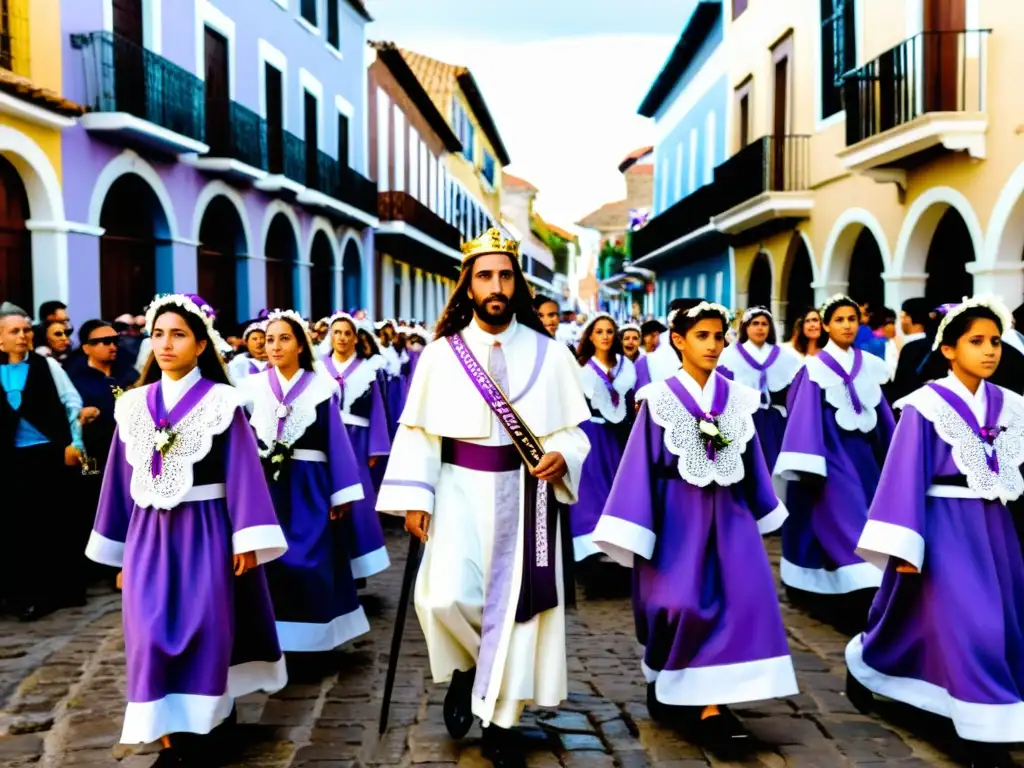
{"x": 61, "y": 683}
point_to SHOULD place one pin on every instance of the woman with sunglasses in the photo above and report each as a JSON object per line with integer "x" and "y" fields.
{"x": 53, "y": 339}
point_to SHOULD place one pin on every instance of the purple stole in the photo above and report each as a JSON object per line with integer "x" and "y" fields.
{"x": 718, "y": 404}
{"x": 332, "y": 369}
{"x": 253, "y": 368}
{"x": 848, "y": 378}
{"x": 761, "y": 368}
{"x": 993, "y": 407}
{"x": 609, "y": 381}
{"x": 539, "y": 589}
{"x": 166, "y": 421}
{"x": 285, "y": 402}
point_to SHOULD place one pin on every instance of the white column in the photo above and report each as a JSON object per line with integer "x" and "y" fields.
{"x": 822, "y": 291}
{"x": 419, "y": 308}
{"x": 405, "y": 293}
{"x": 899, "y": 288}
{"x": 387, "y": 292}
{"x": 430, "y": 298}
{"x": 1004, "y": 280}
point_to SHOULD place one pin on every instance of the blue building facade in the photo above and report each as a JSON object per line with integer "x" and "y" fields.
{"x": 688, "y": 102}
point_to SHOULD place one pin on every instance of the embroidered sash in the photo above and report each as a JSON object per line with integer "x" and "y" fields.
{"x": 164, "y": 420}
{"x": 306, "y": 378}
{"x": 609, "y": 381}
{"x": 993, "y": 407}
{"x": 718, "y": 405}
{"x": 848, "y": 378}
{"x": 761, "y": 368}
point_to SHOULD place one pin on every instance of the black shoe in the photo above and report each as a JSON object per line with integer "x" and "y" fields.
{"x": 859, "y": 696}
{"x": 660, "y": 713}
{"x": 503, "y": 748}
{"x": 458, "y": 704}
{"x": 723, "y": 732}
{"x": 988, "y": 755}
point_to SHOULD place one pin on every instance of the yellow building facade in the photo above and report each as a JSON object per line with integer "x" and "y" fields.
{"x": 893, "y": 155}
{"x": 33, "y": 229}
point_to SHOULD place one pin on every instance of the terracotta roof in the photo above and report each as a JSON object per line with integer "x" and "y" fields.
{"x": 440, "y": 79}
{"x": 514, "y": 182}
{"x": 647, "y": 169}
{"x": 25, "y": 89}
{"x": 631, "y": 159}
{"x": 562, "y": 233}
{"x": 610, "y": 217}
{"x": 359, "y": 8}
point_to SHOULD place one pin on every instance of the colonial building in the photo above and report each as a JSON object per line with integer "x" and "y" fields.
{"x": 223, "y": 153}
{"x": 519, "y": 219}
{"x": 33, "y": 115}
{"x": 912, "y": 179}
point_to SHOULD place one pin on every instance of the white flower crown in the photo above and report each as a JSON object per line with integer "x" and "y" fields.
{"x": 753, "y": 312}
{"x": 186, "y": 302}
{"x": 990, "y": 302}
{"x": 832, "y": 301}
{"x": 291, "y": 314}
{"x": 629, "y": 327}
{"x": 595, "y": 318}
{"x": 709, "y": 306}
{"x": 340, "y": 316}
{"x": 259, "y": 325}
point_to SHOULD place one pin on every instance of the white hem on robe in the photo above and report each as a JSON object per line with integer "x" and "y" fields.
{"x": 622, "y": 540}
{"x": 267, "y": 541}
{"x": 773, "y": 520}
{"x": 841, "y": 581}
{"x": 790, "y": 464}
{"x": 370, "y": 564}
{"x": 105, "y": 551}
{"x": 306, "y": 637}
{"x": 723, "y": 684}
{"x": 584, "y": 547}
{"x": 880, "y": 540}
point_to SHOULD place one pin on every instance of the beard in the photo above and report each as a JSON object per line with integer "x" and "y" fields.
{"x": 502, "y": 317}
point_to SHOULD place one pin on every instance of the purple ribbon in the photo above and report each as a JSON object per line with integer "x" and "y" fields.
{"x": 761, "y": 368}
{"x": 332, "y": 369}
{"x": 993, "y": 407}
{"x": 848, "y": 378}
{"x": 164, "y": 420}
{"x": 253, "y": 368}
{"x": 719, "y": 401}
{"x": 305, "y": 379}
{"x": 609, "y": 381}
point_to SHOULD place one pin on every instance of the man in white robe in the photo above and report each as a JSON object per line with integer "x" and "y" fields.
{"x": 458, "y": 479}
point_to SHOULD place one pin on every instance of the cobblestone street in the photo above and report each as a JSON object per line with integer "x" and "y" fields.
{"x": 61, "y": 683}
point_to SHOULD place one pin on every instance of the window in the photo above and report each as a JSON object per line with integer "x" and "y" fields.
{"x": 488, "y": 168}
{"x": 709, "y": 148}
{"x": 743, "y": 112}
{"x": 738, "y": 7}
{"x": 333, "y": 24}
{"x": 343, "y": 139}
{"x": 463, "y": 129}
{"x": 311, "y": 115}
{"x": 679, "y": 175}
{"x": 399, "y": 151}
{"x": 307, "y": 9}
{"x": 838, "y": 51}
{"x": 434, "y": 184}
{"x": 424, "y": 170}
{"x": 414, "y": 163}
{"x": 691, "y": 179}
{"x": 383, "y": 141}
{"x": 702, "y": 287}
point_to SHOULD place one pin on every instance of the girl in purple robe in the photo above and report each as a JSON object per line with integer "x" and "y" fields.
{"x": 185, "y": 513}
{"x": 837, "y": 433}
{"x": 758, "y": 362}
{"x": 690, "y": 502}
{"x": 945, "y": 632}
{"x": 362, "y": 411}
{"x": 607, "y": 379}
{"x": 314, "y": 479}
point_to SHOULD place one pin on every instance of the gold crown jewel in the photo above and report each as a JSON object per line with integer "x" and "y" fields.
{"x": 490, "y": 241}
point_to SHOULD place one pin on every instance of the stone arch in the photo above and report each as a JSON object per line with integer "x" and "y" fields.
{"x": 761, "y": 280}
{"x": 130, "y": 162}
{"x": 211, "y": 191}
{"x": 276, "y": 207}
{"x": 352, "y": 274}
{"x": 798, "y": 280}
{"x": 842, "y": 240}
{"x": 45, "y": 200}
{"x": 1002, "y": 260}
{"x": 322, "y": 250}
{"x": 221, "y": 269}
{"x": 919, "y": 226}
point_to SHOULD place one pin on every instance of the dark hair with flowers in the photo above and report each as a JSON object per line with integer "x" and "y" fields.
{"x": 748, "y": 318}
{"x": 211, "y": 365}
{"x": 688, "y": 312}
{"x": 298, "y": 327}
{"x": 960, "y": 325}
{"x": 829, "y": 307}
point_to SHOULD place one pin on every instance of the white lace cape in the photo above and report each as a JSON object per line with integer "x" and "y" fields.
{"x": 597, "y": 392}
{"x": 392, "y": 362}
{"x": 780, "y": 373}
{"x": 969, "y": 451}
{"x": 868, "y": 384}
{"x": 358, "y": 381}
{"x": 683, "y": 438}
{"x": 264, "y": 404}
{"x": 193, "y": 440}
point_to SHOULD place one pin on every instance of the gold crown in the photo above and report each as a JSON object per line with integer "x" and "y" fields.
{"x": 490, "y": 241}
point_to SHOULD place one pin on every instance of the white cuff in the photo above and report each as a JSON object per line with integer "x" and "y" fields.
{"x": 347, "y": 495}
{"x": 105, "y": 551}
{"x": 397, "y": 499}
{"x": 879, "y": 541}
{"x": 267, "y": 541}
{"x": 773, "y": 520}
{"x": 621, "y": 540}
{"x": 791, "y": 465}
{"x": 370, "y": 564}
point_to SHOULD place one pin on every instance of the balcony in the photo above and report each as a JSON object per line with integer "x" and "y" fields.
{"x": 339, "y": 191}
{"x": 919, "y": 99}
{"x": 286, "y": 164}
{"x": 765, "y": 182}
{"x": 681, "y": 225}
{"x": 138, "y": 97}
{"x": 413, "y": 233}
{"x": 238, "y": 147}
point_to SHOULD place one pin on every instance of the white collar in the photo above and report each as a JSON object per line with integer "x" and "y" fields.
{"x": 173, "y": 391}
{"x": 605, "y": 368}
{"x": 261, "y": 364}
{"x": 842, "y": 356}
{"x": 474, "y": 332}
{"x": 976, "y": 401}
{"x": 760, "y": 354}
{"x": 343, "y": 366}
{"x": 913, "y": 337}
{"x": 287, "y": 384}
{"x": 705, "y": 396}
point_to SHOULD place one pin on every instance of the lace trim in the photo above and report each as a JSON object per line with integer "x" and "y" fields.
{"x": 969, "y": 450}
{"x": 873, "y": 374}
{"x": 780, "y": 374}
{"x": 301, "y": 416}
{"x": 683, "y": 438}
{"x": 599, "y": 396}
{"x": 194, "y": 439}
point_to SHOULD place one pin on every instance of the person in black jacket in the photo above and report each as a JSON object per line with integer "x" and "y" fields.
{"x": 915, "y": 321}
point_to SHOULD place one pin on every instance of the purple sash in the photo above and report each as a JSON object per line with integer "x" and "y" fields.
{"x": 609, "y": 381}
{"x": 539, "y": 589}
{"x": 164, "y": 420}
{"x": 285, "y": 407}
{"x": 848, "y": 378}
{"x": 993, "y": 407}
{"x": 332, "y": 369}
{"x": 253, "y": 368}
{"x": 718, "y": 405}
{"x": 761, "y": 368}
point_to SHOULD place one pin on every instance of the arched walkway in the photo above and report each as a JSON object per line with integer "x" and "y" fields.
{"x": 1004, "y": 244}
{"x": 949, "y": 253}
{"x": 221, "y": 242}
{"x": 866, "y": 284}
{"x": 797, "y": 281}
{"x": 15, "y": 239}
{"x": 134, "y": 247}
{"x": 759, "y": 286}
{"x": 282, "y": 252}
{"x": 352, "y": 276}
{"x": 321, "y": 276}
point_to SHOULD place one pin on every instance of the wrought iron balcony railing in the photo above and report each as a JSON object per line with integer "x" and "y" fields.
{"x": 685, "y": 217}
{"x": 124, "y": 77}
{"x": 286, "y": 155}
{"x": 357, "y": 190}
{"x": 401, "y": 206}
{"x": 243, "y": 137}
{"x": 929, "y": 72}
{"x": 768, "y": 164}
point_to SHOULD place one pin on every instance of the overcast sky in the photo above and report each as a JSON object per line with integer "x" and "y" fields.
{"x": 563, "y": 79}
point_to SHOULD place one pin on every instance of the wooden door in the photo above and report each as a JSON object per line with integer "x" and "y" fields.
{"x": 941, "y": 50}
{"x": 321, "y": 276}
{"x": 129, "y": 58}
{"x": 782, "y": 55}
{"x": 343, "y": 140}
{"x": 280, "y": 255}
{"x": 312, "y": 136}
{"x": 275, "y": 118}
{"x": 218, "y": 261}
{"x": 127, "y": 248}
{"x": 218, "y": 97}
{"x": 15, "y": 239}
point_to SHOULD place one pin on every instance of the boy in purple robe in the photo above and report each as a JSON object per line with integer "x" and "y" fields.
{"x": 944, "y": 633}
{"x": 314, "y": 480}
{"x": 185, "y": 513}
{"x": 837, "y": 433}
{"x": 687, "y": 510}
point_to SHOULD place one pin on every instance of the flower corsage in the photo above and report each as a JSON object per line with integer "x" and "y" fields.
{"x": 714, "y": 440}
{"x": 164, "y": 438}
{"x": 275, "y": 460}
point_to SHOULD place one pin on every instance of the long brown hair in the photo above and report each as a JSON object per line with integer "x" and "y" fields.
{"x": 756, "y": 312}
{"x": 587, "y": 349}
{"x": 799, "y": 338}
{"x": 302, "y": 336}
{"x": 211, "y": 364}
{"x": 459, "y": 311}
{"x": 360, "y": 355}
